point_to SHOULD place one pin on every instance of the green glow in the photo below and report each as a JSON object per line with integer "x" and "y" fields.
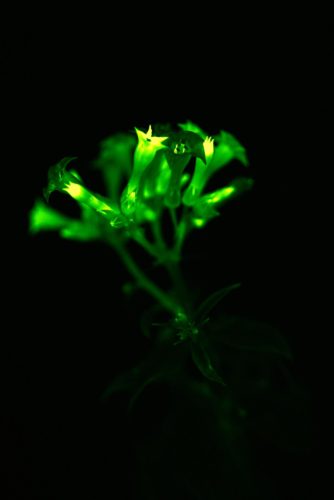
{"x": 147, "y": 147}
{"x": 115, "y": 162}
{"x": 220, "y": 195}
{"x": 77, "y": 230}
{"x": 185, "y": 143}
{"x": 184, "y": 179}
{"x": 44, "y": 218}
{"x": 205, "y": 206}
{"x": 177, "y": 164}
{"x": 198, "y": 181}
{"x": 145, "y": 214}
{"x": 199, "y": 222}
{"x": 76, "y": 191}
{"x": 163, "y": 178}
{"x": 155, "y": 179}
{"x": 189, "y": 126}
{"x": 227, "y": 149}
{"x": 153, "y": 169}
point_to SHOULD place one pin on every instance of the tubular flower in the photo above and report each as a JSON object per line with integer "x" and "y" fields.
{"x": 45, "y": 218}
{"x": 70, "y": 182}
{"x": 154, "y": 170}
{"x": 227, "y": 149}
{"x": 205, "y": 207}
{"x": 147, "y": 147}
{"x": 182, "y": 146}
{"x": 115, "y": 162}
{"x": 198, "y": 181}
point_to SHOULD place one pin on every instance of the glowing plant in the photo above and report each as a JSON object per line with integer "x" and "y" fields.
{"x": 156, "y": 195}
{"x": 153, "y": 167}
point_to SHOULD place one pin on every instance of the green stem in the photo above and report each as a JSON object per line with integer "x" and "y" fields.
{"x": 157, "y": 233}
{"x": 180, "y": 234}
{"x": 143, "y": 281}
{"x": 179, "y": 285}
{"x": 141, "y": 240}
{"x": 172, "y": 212}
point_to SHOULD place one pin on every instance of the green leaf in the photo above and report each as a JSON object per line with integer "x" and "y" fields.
{"x": 203, "y": 362}
{"x": 251, "y": 335}
{"x": 164, "y": 362}
{"x": 210, "y": 302}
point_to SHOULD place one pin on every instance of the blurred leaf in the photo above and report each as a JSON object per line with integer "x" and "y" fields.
{"x": 149, "y": 319}
{"x": 164, "y": 362}
{"x": 210, "y": 302}
{"x": 202, "y": 361}
{"x": 251, "y": 335}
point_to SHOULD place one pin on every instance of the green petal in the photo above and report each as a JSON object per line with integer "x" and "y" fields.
{"x": 115, "y": 161}
{"x": 44, "y": 218}
{"x": 190, "y": 126}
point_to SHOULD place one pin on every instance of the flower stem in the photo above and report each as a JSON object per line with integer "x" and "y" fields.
{"x": 143, "y": 281}
{"x": 172, "y": 212}
{"x": 180, "y": 287}
{"x": 139, "y": 237}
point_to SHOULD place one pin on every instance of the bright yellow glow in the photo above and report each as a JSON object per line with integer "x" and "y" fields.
{"x": 220, "y": 195}
{"x": 75, "y": 190}
{"x": 147, "y": 140}
{"x": 227, "y": 191}
{"x": 208, "y": 146}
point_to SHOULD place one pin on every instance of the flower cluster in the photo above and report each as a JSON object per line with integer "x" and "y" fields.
{"x": 145, "y": 174}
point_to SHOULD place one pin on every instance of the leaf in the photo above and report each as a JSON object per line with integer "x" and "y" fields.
{"x": 133, "y": 381}
{"x": 210, "y": 302}
{"x": 202, "y": 360}
{"x": 251, "y": 335}
{"x": 164, "y": 362}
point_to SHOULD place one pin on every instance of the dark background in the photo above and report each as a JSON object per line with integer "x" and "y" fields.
{"x": 70, "y": 330}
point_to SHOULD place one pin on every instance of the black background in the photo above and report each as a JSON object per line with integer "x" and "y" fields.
{"x": 70, "y": 330}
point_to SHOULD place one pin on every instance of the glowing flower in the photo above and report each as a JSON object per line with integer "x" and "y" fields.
{"x": 147, "y": 147}
{"x": 70, "y": 182}
{"x": 206, "y": 206}
{"x": 199, "y": 178}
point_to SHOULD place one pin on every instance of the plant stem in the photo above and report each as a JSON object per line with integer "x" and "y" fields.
{"x": 157, "y": 233}
{"x": 180, "y": 231}
{"x": 172, "y": 212}
{"x": 179, "y": 284}
{"x": 143, "y": 281}
{"x": 141, "y": 240}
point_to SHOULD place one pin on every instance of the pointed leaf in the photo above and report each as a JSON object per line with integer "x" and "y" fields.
{"x": 251, "y": 335}
{"x": 162, "y": 363}
{"x": 202, "y": 360}
{"x": 208, "y": 304}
